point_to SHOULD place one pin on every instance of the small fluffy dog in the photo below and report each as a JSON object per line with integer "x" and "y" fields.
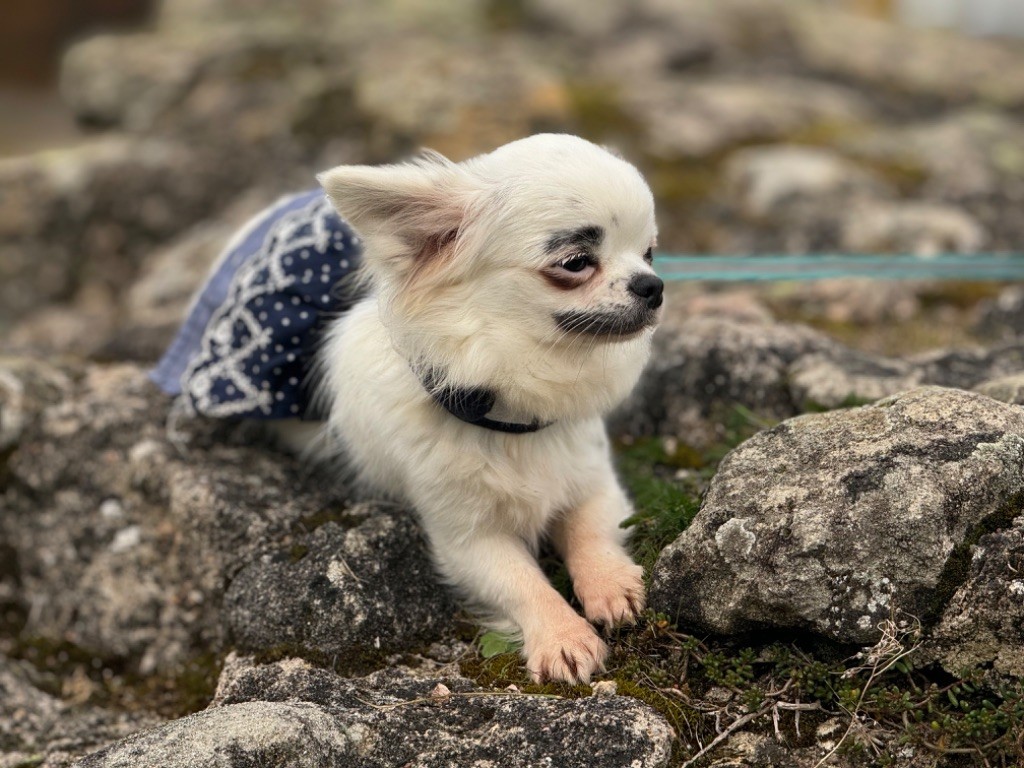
{"x": 511, "y": 305}
{"x": 508, "y": 304}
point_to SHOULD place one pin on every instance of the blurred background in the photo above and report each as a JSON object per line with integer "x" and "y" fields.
{"x": 135, "y": 135}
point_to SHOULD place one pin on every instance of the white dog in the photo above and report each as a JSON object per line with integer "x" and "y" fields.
{"x": 511, "y": 305}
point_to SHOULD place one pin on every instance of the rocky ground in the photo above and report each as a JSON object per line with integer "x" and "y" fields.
{"x": 829, "y": 478}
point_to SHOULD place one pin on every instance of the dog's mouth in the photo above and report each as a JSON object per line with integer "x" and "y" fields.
{"x": 614, "y": 326}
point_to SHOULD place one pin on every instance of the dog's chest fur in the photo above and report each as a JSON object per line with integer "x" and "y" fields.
{"x": 402, "y": 444}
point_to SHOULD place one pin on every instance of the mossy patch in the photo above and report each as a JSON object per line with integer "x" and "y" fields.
{"x": 664, "y": 506}
{"x": 958, "y": 565}
{"x": 785, "y": 691}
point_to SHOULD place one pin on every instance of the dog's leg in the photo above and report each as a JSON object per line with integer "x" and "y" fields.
{"x": 604, "y": 577}
{"x": 499, "y": 574}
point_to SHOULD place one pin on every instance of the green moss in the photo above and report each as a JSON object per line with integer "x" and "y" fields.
{"x": 958, "y": 565}
{"x": 663, "y": 506}
{"x": 505, "y": 669}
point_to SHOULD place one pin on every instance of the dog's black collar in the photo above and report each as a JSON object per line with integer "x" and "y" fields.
{"x": 472, "y": 404}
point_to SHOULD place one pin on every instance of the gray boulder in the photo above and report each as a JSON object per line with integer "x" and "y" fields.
{"x": 835, "y": 522}
{"x": 916, "y": 227}
{"x": 290, "y": 713}
{"x": 247, "y": 734}
{"x": 41, "y": 730}
{"x": 984, "y": 622}
{"x": 909, "y": 64}
{"x": 124, "y": 541}
{"x": 708, "y": 373}
{"x": 687, "y": 118}
{"x": 767, "y": 180}
{"x": 358, "y": 587}
{"x": 87, "y": 214}
{"x": 1003, "y": 317}
{"x": 1007, "y": 389}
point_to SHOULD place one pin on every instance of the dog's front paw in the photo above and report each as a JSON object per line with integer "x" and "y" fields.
{"x": 612, "y": 593}
{"x": 572, "y": 653}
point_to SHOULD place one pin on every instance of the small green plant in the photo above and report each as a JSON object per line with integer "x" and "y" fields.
{"x": 493, "y": 643}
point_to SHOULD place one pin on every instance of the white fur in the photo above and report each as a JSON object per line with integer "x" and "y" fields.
{"x": 477, "y": 308}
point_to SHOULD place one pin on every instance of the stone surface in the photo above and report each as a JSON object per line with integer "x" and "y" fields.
{"x": 1008, "y": 389}
{"x": 924, "y": 229}
{"x": 704, "y": 367}
{"x": 834, "y": 522}
{"x": 698, "y": 117}
{"x": 962, "y": 154}
{"x": 709, "y": 372}
{"x": 126, "y": 540}
{"x": 41, "y": 730}
{"x": 361, "y": 586}
{"x": 87, "y": 214}
{"x": 292, "y": 713}
{"x": 766, "y": 179}
{"x": 908, "y": 63}
{"x": 984, "y": 621}
{"x": 1003, "y": 317}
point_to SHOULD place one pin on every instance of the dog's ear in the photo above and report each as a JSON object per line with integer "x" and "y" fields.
{"x": 407, "y": 212}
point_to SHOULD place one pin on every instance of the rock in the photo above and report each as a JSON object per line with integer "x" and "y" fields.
{"x": 984, "y": 621}
{"x": 349, "y": 23}
{"x": 37, "y": 729}
{"x": 684, "y": 300}
{"x": 365, "y": 586}
{"x": 145, "y": 584}
{"x": 765, "y": 179}
{"x": 292, "y": 713}
{"x": 711, "y": 375}
{"x": 909, "y": 64}
{"x": 696, "y": 118}
{"x": 1003, "y": 318}
{"x": 27, "y": 386}
{"x": 158, "y": 300}
{"x": 857, "y": 301}
{"x": 505, "y": 93}
{"x": 251, "y": 733}
{"x": 958, "y": 156}
{"x": 825, "y": 381}
{"x": 129, "y": 80}
{"x": 835, "y": 522}
{"x": 1007, "y": 389}
{"x": 966, "y": 368}
{"x": 704, "y": 367}
{"x": 147, "y": 82}
{"x": 910, "y": 227}
{"x": 86, "y": 215}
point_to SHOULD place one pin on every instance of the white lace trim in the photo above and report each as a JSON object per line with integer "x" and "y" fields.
{"x": 218, "y": 358}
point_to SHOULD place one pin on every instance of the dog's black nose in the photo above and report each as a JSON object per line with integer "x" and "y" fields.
{"x": 648, "y": 287}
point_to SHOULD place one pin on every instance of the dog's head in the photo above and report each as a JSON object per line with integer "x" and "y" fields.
{"x": 527, "y": 270}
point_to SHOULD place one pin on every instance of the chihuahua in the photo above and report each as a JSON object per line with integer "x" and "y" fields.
{"x": 509, "y": 305}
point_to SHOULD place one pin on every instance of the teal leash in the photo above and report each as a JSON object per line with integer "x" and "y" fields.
{"x": 1001, "y": 267}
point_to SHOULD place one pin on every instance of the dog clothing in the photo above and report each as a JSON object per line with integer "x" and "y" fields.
{"x": 248, "y": 344}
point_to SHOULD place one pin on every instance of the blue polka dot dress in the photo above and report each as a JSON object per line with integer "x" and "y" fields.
{"x": 249, "y": 341}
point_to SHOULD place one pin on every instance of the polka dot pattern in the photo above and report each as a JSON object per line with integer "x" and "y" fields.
{"x": 247, "y": 347}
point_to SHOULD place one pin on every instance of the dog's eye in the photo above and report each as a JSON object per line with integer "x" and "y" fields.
{"x": 649, "y": 255}
{"x": 575, "y": 263}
